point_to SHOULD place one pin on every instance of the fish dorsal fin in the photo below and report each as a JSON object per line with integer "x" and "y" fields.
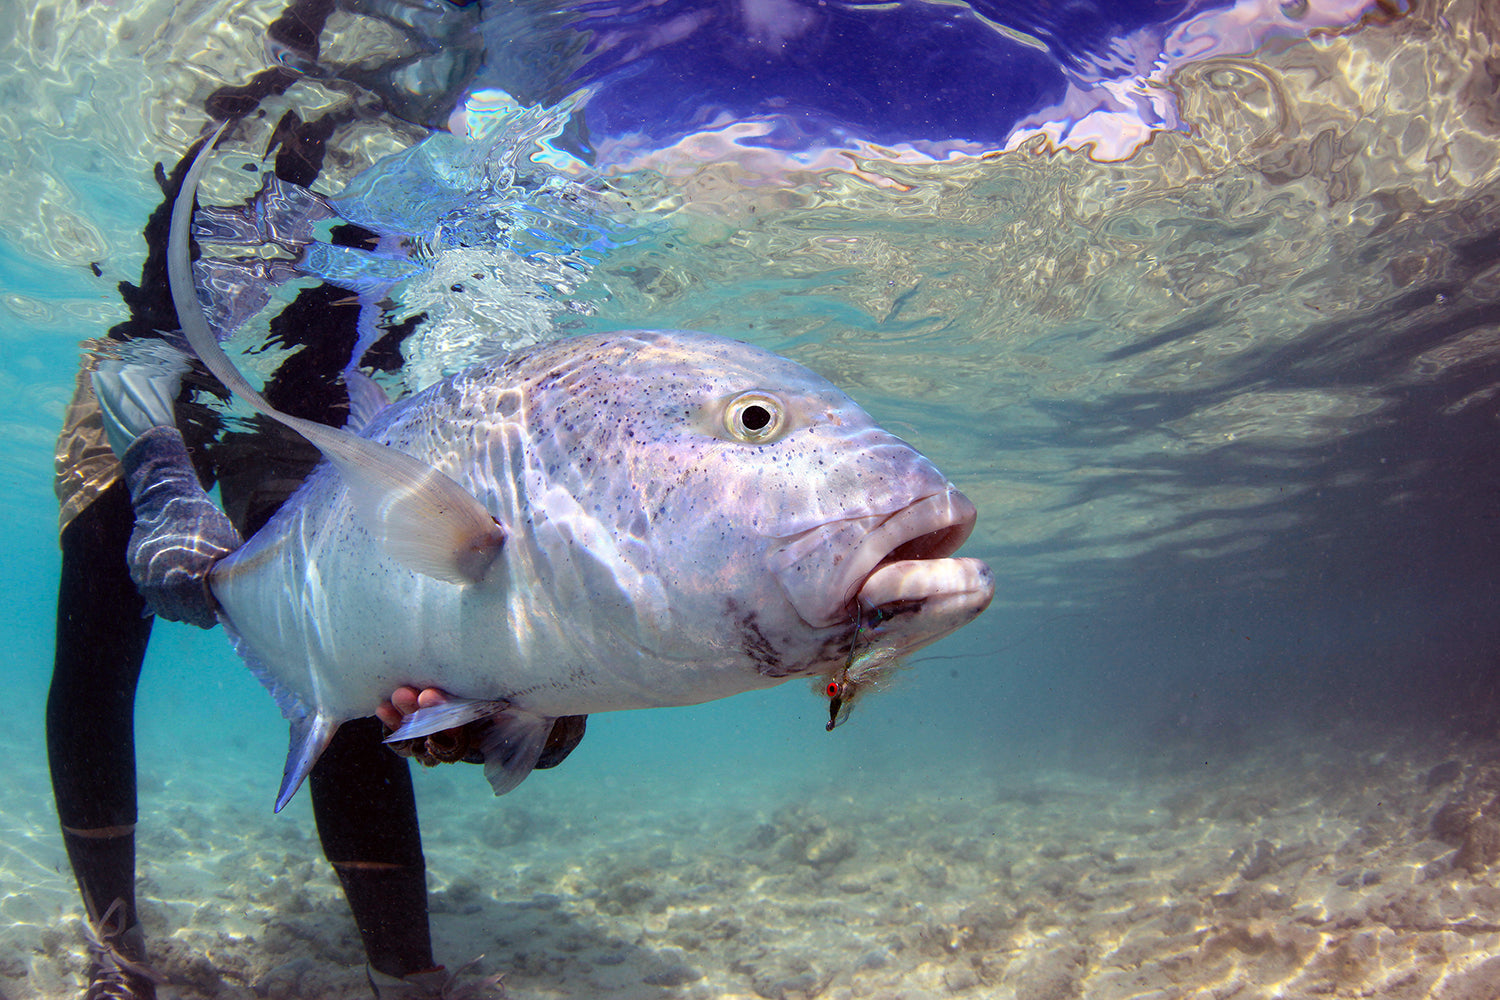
{"x": 419, "y": 516}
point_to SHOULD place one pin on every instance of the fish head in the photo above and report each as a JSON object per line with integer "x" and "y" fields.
{"x": 766, "y": 517}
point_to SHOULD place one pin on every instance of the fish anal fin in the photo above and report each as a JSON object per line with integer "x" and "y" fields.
{"x": 311, "y": 735}
{"x": 512, "y": 746}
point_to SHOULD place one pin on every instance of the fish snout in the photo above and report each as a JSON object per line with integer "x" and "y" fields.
{"x": 917, "y": 590}
{"x": 898, "y": 563}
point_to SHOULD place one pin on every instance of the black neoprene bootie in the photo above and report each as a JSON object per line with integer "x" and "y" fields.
{"x": 118, "y": 969}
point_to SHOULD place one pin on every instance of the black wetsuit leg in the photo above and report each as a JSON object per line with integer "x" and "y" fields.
{"x": 367, "y": 819}
{"x": 101, "y": 640}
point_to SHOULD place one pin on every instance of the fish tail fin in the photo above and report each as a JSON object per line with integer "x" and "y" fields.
{"x": 311, "y": 735}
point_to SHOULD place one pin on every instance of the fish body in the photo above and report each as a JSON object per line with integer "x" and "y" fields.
{"x": 614, "y": 521}
{"x": 686, "y": 517}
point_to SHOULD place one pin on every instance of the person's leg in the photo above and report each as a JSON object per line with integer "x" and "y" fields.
{"x": 101, "y": 640}
{"x": 102, "y": 631}
{"x": 367, "y": 820}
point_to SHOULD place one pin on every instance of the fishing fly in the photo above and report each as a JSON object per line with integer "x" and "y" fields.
{"x": 860, "y": 671}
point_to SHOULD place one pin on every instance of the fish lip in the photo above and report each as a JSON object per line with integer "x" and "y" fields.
{"x": 914, "y": 602}
{"x": 925, "y": 534}
{"x": 922, "y": 533}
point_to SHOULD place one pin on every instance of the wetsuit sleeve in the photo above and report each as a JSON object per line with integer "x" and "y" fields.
{"x": 179, "y": 532}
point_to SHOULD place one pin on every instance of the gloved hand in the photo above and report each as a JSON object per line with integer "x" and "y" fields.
{"x": 179, "y": 532}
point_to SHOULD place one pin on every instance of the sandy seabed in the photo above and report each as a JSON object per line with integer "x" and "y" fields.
{"x": 1338, "y": 866}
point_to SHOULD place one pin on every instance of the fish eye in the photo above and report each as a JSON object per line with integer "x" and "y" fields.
{"x": 754, "y": 417}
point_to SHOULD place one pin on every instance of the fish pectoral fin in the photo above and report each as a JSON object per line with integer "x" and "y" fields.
{"x": 450, "y": 714}
{"x": 311, "y": 735}
{"x": 512, "y": 746}
{"x": 422, "y": 518}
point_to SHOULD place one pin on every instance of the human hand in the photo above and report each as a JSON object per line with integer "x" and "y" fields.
{"x": 444, "y": 747}
{"x": 406, "y": 700}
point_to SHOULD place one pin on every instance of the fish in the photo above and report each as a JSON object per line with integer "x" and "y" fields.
{"x": 605, "y": 522}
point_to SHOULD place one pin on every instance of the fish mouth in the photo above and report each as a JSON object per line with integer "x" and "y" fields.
{"x": 894, "y": 563}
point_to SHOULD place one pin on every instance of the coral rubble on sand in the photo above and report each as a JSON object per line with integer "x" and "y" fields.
{"x": 1333, "y": 866}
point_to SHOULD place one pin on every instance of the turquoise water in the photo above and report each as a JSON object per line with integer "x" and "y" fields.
{"x": 1220, "y": 378}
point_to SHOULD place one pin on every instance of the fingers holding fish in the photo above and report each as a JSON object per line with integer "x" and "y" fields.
{"x": 446, "y": 746}
{"x": 405, "y": 701}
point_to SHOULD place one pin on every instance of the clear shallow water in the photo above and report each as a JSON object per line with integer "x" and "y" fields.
{"x": 1225, "y": 401}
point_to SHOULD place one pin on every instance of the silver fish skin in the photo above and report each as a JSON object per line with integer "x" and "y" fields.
{"x": 686, "y": 517}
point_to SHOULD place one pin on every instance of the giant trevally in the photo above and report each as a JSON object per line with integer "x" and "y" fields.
{"x": 613, "y": 521}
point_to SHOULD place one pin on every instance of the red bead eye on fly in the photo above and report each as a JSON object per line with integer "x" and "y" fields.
{"x": 835, "y": 689}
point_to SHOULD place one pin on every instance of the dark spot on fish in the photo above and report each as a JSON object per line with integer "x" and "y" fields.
{"x": 838, "y": 647}
{"x": 889, "y": 612}
{"x": 757, "y": 647}
{"x": 98, "y": 271}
